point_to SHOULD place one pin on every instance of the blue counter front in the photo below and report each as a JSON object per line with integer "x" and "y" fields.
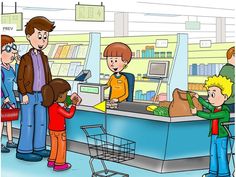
{"x": 156, "y": 137}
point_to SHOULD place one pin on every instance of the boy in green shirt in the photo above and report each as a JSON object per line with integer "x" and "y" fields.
{"x": 219, "y": 90}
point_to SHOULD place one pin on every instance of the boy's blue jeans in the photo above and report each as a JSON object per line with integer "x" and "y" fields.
{"x": 33, "y": 127}
{"x": 219, "y": 165}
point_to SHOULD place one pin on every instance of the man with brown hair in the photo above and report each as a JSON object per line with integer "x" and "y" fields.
{"x": 33, "y": 74}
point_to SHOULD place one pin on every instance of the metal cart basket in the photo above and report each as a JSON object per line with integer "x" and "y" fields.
{"x": 104, "y": 146}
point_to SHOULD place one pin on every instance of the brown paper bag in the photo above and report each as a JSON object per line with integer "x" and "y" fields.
{"x": 179, "y": 105}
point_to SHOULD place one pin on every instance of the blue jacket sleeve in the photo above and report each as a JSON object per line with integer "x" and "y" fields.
{"x": 3, "y": 88}
{"x": 16, "y": 72}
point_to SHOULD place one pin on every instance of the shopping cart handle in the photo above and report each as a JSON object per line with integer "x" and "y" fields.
{"x": 85, "y": 127}
{"x": 227, "y": 123}
{"x": 91, "y": 126}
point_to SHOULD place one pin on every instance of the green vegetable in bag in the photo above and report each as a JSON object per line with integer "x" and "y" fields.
{"x": 190, "y": 101}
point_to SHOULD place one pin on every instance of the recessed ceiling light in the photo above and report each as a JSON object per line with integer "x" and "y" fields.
{"x": 159, "y": 14}
{"x": 43, "y": 8}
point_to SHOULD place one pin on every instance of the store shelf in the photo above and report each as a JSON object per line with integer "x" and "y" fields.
{"x": 148, "y": 81}
{"x": 143, "y": 59}
{"x": 143, "y": 101}
{"x": 203, "y": 93}
{"x": 69, "y": 78}
{"x": 66, "y": 59}
{"x": 197, "y": 79}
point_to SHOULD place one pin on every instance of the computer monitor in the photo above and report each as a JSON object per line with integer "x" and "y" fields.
{"x": 158, "y": 69}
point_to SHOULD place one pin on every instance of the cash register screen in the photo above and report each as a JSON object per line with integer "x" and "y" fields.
{"x": 86, "y": 89}
{"x": 158, "y": 69}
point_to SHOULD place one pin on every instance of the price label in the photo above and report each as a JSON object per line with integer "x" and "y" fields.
{"x": 163, "y": 43}
{"x": 205, "y": 43}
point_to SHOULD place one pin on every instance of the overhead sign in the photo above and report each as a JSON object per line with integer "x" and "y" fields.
{"x": 192, "y": 25}
{"x": 14, "y": 19}
{"x": 89, "y": 13}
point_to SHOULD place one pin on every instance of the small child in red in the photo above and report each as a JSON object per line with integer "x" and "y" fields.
{"x": 54, "y": 93}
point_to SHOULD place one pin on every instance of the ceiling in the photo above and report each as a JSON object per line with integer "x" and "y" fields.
{"x": 145, "y": 16}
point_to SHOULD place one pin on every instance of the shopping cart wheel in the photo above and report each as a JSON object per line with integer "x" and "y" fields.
{"x": 106, "y": 172}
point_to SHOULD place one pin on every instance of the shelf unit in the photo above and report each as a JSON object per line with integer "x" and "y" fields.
{"x": 216, "y": 54}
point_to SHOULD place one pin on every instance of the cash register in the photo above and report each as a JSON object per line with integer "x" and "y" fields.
{"x": 91, "y": 93}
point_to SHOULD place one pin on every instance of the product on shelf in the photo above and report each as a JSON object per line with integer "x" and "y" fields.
{"x": 138, "y": 94}
{"x": 139, "y": 76}
{"x": 75, "y": 51}
{"x": 78, "y": 69}
{"x": 55, "y": 68}
{"x": 50, "y": 64}
{"x": 196, "y": 87}
{"x": 58, "y": 52}
{"x": 148, "y": 52}
{"x": 70, "y": 52}
{"x": 23, "y": 49}
{"x": 72, "y": 69}
{"x": 145, "y": 77}
{"x": 162, "y": 54}
{"x": 150, "y": 94}
{"x": 81, "y": 53}
{"x": 205, "y": 69}
{"x": 64, "y": 51}
{"x": 157, "y": 54}
{"x": 137, "y": 53}
{"x": 64, "y": 69}
{"x": 50, "y": 53}
{"x": 101, "y": 75}
{"x": 169, "y": 54}
{"x": 106, "y": 76}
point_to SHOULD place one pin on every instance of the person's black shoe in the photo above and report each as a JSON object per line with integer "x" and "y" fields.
{"x": 43, "y": 153}
{"x": 29, "y": 157}
{"x": 11, "y": 145}
{"x": 4, "y": 149}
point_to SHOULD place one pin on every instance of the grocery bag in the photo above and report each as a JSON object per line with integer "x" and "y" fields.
{"x": 182, "y": 103}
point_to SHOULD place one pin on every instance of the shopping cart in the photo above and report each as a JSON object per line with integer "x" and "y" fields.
{"x": 104, "y": 146}
{"x": 231, "y": 144}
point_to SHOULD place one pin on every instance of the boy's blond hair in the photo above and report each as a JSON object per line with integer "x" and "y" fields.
{"x": 221, "y": 82}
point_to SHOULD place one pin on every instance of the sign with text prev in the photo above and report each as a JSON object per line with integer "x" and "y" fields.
{"x": 14, "y": 19}
{"x": 95, "y": 13}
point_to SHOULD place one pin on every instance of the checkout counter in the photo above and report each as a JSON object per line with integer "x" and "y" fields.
{"x": 163, "y": 144}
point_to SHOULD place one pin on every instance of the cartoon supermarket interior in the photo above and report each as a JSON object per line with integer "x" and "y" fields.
{"x": 117, "y": 88}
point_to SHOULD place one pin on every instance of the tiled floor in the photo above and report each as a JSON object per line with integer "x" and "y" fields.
{"x": 12, "y": 167}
